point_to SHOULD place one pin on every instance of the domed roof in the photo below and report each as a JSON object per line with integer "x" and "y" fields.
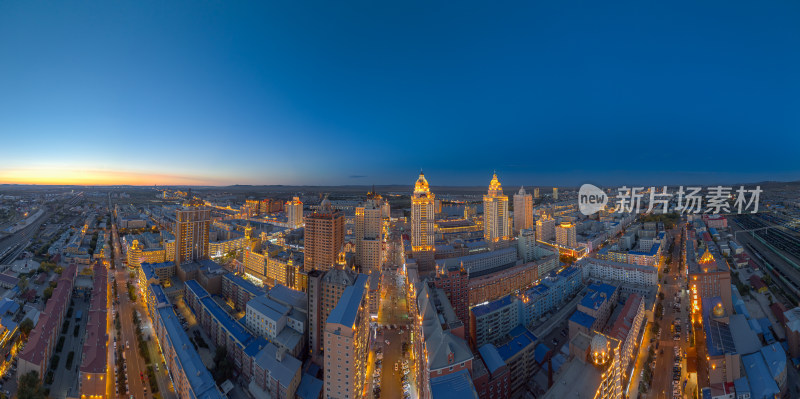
{"x": 421, "y": 186}
{"x": 495, "y": 188}
{"x": 599, "y": 343}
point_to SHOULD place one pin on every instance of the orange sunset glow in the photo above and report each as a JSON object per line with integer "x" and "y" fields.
{"x": 69, "y": 176}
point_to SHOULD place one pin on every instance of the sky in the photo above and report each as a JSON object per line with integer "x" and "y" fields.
{"x": 328, "y": 93}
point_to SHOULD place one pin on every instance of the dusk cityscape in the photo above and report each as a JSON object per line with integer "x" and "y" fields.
{"x": 367, "y": 200}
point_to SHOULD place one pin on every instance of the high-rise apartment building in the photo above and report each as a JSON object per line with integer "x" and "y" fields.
{"x": 324, "y": 237}
{"x": 495, "y": 213}
{"x": 536, "y": 192}
{"x": 545, "y": 229}
{"x": 565, "y": 235}
{"x": 523, "y": 210}
{"x": 294, "y": 213}
{"x": 324, "y": 290}
{"x": 192, "y": 224}
{"x": 422, "y": 221}
{"x": 346, "y": 343}
{"x": 555, "y": 193}
{"x": 369, "y": 234}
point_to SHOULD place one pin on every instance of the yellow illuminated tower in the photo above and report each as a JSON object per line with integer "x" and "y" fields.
{"x": 422, "y": 218}
{"x": 495, "y": 213}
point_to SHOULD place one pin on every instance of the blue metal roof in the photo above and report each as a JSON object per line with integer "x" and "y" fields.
{"x": 652, "y": 252}
{"x": 197, "y": 289}
{"x": 582, "y": 319}
{"x": 200, "y": 379}
{"x": 346, "y": 310}
{"x": 775, "y": 358}
{"x": 490, "y": 307}
{"x": 521, "y": 339}
{"x": 765, "y": 324}
{"x": 541, "y": 352}
{"x": 236, "y": 330}
{"x": 158, "y": 293}
{"x": 244, "y": 284}
{"x": 269, "y": 308}
{"x": 761, "y": 383}
{"x": 491, "y": 357}
{"x": 255, "y": 346}
{"x": 597, "y": 294}
{"x": 741, "y": 386}
{"x": 456, "y": 385}
{"x": 310, "y": 387}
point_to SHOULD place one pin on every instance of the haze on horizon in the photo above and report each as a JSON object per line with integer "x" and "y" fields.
{"x": 297, "y": 94}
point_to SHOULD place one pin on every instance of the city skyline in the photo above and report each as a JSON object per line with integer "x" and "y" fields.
{"x": 223, "y": 94}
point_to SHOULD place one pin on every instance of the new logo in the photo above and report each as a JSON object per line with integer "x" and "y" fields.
{"x": 591, "y": 199}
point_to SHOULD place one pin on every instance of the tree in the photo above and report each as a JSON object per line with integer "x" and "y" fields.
{"x": 223, "y": 369}
{"x": 26, "y": 326}
{"x": 30, "y": 387}
{"x": 661, "y": 296}
{"x": 23, "y": 283}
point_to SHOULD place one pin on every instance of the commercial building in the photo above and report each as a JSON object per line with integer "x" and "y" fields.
{"x": 623, "y": 273}
{"x": 93, "y": 365}
{"x": 324, "y": 291}
{"x": 369, "y": 234}
{"x": 324, "y": 237}
{"x": 708, "y": 277}
{"x": 346, "y": 343}
{"x": 566, "y": 235}
{"x": 42, "y": 339}
{"x": 594, "y": 369}
{"x": 190, "y": 378}
{"x": 481, "y": 263}
{"x": 546, "y": 229}
{"x": 441, "y": 349}
{"x": 284, "y": 269}
{"x": 626, "y": 328}
{"x": 523, "y": 210}
{"x": 422, "y": 223}
{"x": 294, "y": 213}
{"x": 495, "y": 213}
{"x": 192, "y": 225}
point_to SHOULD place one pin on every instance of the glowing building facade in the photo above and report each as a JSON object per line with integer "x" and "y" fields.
{"x": 294, "y": 213}
{"x": 495, "y": 213}
{"x": 523, "y": 210}
{"x": 422, "y": 221}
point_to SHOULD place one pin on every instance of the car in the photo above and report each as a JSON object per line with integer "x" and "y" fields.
{"x": 395, "y": 367}
{"x": 156, "y": 366}
{"x": 386, "y": 341}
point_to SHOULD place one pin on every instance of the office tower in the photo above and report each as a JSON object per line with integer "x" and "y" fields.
{"x": 369, "y": 233}
{"x": 495, "y": 213}
{"x": 346, "y": 343}
{"x": 545, "y": 228}
{"x": 565, "y": 235}
{"x": 523, "y": 210}
{"x": 536, "y": 192}
{"x": 324, "y": 237}
{"x": 555, "y": 193}
{"x": 192, "y": 224}
{"x": 294, "y": 213}
{"x": 251, "y": 208}
{"x": 422, "y": 222}
{"x": 324, "y": 290}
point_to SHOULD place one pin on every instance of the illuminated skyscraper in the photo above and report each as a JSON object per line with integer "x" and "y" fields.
{"x": 422, "y": 218}
{"x": 192, "y": 223}
{"x": 555, "y": 193}
{"x": 294, "y": 213}
{"x": 565, "y": 235}
{"x": 536, "y": 192}
{"x": 495, "y": 213}
{"x": 523, "y": 210}
{"x": 369, "y": 233}
{"x": 545, "y": 228}
{"x": 324, "y": 237}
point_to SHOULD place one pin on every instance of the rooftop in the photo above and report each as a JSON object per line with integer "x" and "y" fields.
{"x": 482, "y": 310}
{"x": 236, "y": 330}
{"x": 521, "y": 339}
{"x": 491, "y": 357}
{"x": 582, "y": 319}
{"x": 761, "y": 383}
{"x": 597, "y": 294}
{"x": 283, "y": 370}
{"x": 346, "y": 310}
{"x": 456, "y": 385}
{"x": 200, "y": 379}
{"x": 244, "y": 284}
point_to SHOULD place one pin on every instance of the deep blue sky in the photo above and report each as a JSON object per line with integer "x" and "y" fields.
{"x": 545, "y": 92}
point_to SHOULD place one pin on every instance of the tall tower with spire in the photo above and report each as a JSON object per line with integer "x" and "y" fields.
{"x": 422, "y": 220}
{"x": 495, "y": 213}
{"x": 523, "y": 210}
